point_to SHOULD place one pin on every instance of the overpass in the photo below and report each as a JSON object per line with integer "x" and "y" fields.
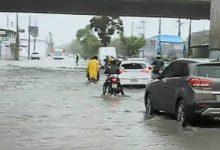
{"x": 191, "y": 9}
{"x": 195, "y": 9}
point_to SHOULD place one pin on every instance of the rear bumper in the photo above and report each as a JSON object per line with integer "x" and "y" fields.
{"x": 35, "y": 57}
{"x": 211, "y": 112}
{"x": 58, "y": 57}
{"x": 127, "y": 81}
{"x": 205, "y": 108}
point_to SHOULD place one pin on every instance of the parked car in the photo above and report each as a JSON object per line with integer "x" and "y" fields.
{"x": 188, "y": 88}
{"x": 35, "y": 55}
{"x": 134, "y": 73}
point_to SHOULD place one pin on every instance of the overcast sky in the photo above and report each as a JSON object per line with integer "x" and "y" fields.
{"x": 64, "y": 27}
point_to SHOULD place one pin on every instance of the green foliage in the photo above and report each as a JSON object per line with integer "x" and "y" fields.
{"x": 106, "y": 26}
{"x": 74, "y": 47}
{"x": 88, "y": 41}
{"x": 133, "y": 44}
{"x": 121, "y": 49}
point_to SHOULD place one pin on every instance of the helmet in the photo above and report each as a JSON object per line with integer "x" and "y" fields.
{"x": 95, "y": 57}
{"x": 158, "y": 57}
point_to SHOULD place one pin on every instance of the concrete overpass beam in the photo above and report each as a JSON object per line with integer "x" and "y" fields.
{"x": 215, "y": 25}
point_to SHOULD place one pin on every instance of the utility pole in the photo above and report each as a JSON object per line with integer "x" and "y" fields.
{"x": 179, "y": 26}
{"x": 17, "y": 39}
{"x": 35, "y": 37}
{"x": 29, "y": 37}
{"x": 203, "y": 34}
{"x": 132, "y": 28}
{"x": 189, "y": 40}
{"x": 143, "y": 22}
{"x": 159, "y": 30}
{"x": 7, "y": 20}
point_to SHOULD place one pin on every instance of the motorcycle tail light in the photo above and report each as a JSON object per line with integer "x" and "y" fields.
{"x": 114, "y": 80}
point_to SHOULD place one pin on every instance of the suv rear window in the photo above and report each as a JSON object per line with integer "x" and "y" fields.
{"x": 133, "y": 66}
{"x": 212, "y": 70}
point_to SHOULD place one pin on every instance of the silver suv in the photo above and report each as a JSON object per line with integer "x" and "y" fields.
{"x": 188, "y": 88}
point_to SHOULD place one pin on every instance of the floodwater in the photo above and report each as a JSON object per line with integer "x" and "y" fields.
{"x": 58, "y": 109}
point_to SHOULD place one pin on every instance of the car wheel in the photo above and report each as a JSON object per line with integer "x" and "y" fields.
{"x": 181, "y": 113}
{"x": 148, "y": 105}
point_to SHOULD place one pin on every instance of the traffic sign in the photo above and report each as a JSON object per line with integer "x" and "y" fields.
{"x": 33, "y": 31}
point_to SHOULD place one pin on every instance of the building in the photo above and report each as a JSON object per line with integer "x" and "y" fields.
{"x": 7, "y": 44}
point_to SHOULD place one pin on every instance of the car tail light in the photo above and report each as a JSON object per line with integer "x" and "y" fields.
{"x": 201, "y": 105}
{"x": 197, "y": 82}
{"x": 123, "y": 71}
{"x": 145, "y": 71}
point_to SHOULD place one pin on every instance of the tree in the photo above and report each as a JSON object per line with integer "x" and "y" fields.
{"x": 106, "y": 26}
{"x": 73, "y": 47}
{"x": 133, "y": 44}
{"x": 88, "y": 41}
{"x": 121, "y": 49}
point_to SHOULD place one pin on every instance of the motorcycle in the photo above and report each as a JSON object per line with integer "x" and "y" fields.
{"x": 156, "y": 72}
{"x": 114, "y": 85}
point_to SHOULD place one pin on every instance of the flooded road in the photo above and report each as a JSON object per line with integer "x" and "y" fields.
{"x": 58, "y": 109}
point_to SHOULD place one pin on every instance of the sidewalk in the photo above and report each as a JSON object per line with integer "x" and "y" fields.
{"x": 46, "y": 63}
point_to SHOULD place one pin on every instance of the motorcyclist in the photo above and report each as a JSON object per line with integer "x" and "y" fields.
{"x": 112, "y": 68}
{"x": 157, "y": 66}
{"x": 120, "y": 59}
{"x": 93, "y": 68}
{"x": 106, "y": 60}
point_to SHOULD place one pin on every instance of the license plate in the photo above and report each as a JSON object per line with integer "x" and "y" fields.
{"x": 114, "y": 86}
{"x": 133, "y": 80}
{"x": 218, "y": 97}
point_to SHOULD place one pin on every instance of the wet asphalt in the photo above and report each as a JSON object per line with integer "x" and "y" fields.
{"x": 44, "y": 109}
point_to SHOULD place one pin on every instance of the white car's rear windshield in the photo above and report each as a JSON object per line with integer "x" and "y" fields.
{"x": 133, "y": 66}
{"x": 208, "y": 70}
{"x": 145, "y": 60}
{"x": 58, "y": 53}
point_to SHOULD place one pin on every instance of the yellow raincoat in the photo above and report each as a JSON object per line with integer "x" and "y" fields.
{"x": 93, "y": 68}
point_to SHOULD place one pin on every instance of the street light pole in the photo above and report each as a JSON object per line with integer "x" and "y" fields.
{"x": 29, "y": 37}
{"x": 143, "y": 22}
{"x": 159, "y": 32}
{"x": 17, "y": 40}
{"x": 132, "y": 28}
{"x": 189, "y": 40}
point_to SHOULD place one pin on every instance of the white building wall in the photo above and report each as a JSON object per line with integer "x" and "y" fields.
{"x": 41, "y": 47}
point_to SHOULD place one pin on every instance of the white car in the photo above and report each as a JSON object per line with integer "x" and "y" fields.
{"x": 35, "y": 55}
{"x": 58, "y": 54}
{"x": 134, "y": 73}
